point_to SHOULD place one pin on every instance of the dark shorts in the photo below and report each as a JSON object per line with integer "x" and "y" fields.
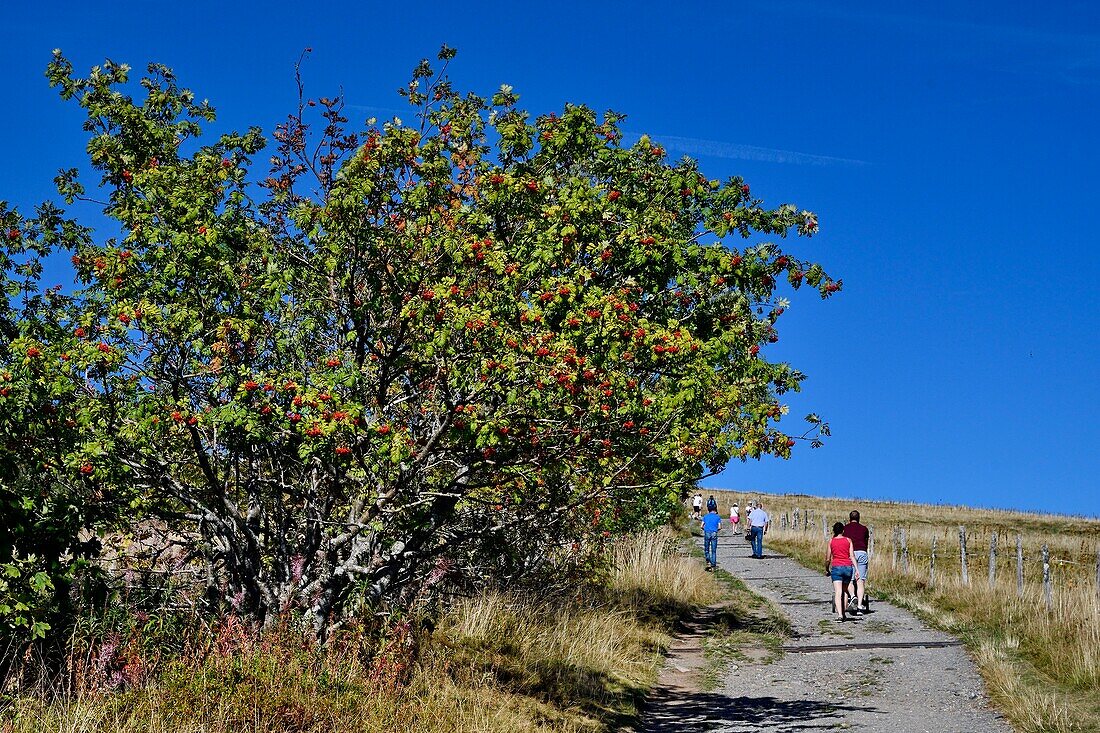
{"x": 842, "y": 572}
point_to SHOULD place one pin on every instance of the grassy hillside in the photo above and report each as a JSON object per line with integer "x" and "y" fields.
{"x": 490, "y": 663}
{"x": 1041, "y": 661}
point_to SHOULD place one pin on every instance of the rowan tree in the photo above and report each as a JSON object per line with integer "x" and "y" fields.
{"x": 48, "y": 496}
{"x": 414, "y": 354}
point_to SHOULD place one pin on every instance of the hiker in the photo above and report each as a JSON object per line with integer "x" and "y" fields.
{"x": 840, "y": 566}
{"x": 712, "y": 503}
{"x": 758, "y": 527}
{"x": 711, "y": 523}
{"x": 697, "y": 506}
{"x": 735, "y": 518}
{"x": 859, "y": 535}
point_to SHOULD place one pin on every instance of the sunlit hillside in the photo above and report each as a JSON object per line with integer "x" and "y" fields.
{"x": 1028, "y": 605}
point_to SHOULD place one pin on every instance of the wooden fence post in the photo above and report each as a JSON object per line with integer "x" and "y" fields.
{"x": 1046, "y": 578}
{"x": 894, "y": 548}
{"x": 1098, "y": 573}
{"x": 783, "y": 522}
{"x": 992, "y": 558}
{"x": 962, "y": 555}
{"x": 871, "y": 553}
{"x": 932, "y": 565}
{"x": 1019, "y": 566}
{"x": 824, "y": 526}
{"x": 796, "y": 519}
{"x": 905, "y": 550}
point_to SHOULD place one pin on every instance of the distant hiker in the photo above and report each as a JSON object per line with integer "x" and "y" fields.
{"x": 859, "y": 535}
{"x": 758, "y": 527}
{"x": 840, "y": 566}
{"x": 712, "y": 523}
{"x": 712, "y": 504}
{"x": 735, "y": 518}
{"x": 697, "y": 506}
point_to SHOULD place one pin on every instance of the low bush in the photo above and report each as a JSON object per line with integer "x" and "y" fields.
{"x": 494, "y": 662}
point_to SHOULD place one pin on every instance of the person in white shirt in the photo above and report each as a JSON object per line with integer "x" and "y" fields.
{"x": 758, "y": 527}
{"x": 697, "y": 507}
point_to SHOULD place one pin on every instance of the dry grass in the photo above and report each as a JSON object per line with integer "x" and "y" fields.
{"x": 493, "y": 663}
{"x": 1034, "y": 709}
{"x": 1041, "y": 665}
{"x": 647, "y": 573}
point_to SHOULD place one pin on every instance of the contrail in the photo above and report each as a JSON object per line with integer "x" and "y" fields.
{"x": 737, "y": 151}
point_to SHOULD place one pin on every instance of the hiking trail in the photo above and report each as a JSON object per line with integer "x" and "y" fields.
{"x": 885, "y": 671}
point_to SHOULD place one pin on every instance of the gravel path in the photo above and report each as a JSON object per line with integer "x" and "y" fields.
{"x": 885, "y": 671}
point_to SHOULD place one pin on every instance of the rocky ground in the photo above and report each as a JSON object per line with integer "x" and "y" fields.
{"x": 886, "y": 671}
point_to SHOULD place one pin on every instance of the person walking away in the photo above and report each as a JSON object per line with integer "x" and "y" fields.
{"x": 735, "y": 519}
{"x": 840, "y": 566}
{"x": 712, "y": 523}
{"x": 758, "y": 527}
{"x": 712, "y": 503}
{"x": 859, "y": 535}
{"x": 697, "y": 506}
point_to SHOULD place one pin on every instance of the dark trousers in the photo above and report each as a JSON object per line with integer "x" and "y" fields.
{"x": 757, "y": 535}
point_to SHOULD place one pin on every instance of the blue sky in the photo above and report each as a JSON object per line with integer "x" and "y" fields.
{"x": 949, "y": 150}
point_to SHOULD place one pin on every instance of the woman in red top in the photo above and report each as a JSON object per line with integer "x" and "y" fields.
{"x": 840, "y": 565}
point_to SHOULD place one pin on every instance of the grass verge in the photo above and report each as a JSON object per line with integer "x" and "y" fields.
{"x": 747, "y": 629}
{"x": 492, "y": 663}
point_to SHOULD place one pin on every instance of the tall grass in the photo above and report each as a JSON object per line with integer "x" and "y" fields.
{"x": 1041, "y": 665}
{"x": 493, "y": 663}
{"x": 645, "y": 577}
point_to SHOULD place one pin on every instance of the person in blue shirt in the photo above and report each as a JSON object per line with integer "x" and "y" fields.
{"x": 712, "y": 523}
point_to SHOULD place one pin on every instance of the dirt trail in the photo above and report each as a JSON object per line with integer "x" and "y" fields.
{"x": 886, "y": 671}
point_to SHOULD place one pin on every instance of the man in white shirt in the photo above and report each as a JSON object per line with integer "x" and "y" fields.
{"x": 758, "y": 527}
{"x": 697, "y": 507}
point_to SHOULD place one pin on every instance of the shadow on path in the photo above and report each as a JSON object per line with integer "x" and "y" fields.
{"x": 666, "y": 711}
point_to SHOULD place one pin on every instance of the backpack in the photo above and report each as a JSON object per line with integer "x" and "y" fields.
{"x": 712, "y": 505}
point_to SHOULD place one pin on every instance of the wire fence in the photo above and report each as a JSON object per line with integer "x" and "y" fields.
{"x": 967, "y": 553}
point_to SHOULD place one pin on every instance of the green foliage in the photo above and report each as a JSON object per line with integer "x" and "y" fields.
{"x": 25, "y": 593}
{"x": 412, "y": 355}
{"x": 47, "y": 438}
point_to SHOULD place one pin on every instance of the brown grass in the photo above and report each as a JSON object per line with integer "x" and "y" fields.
{"x": 493, "y": 663}
{"x": 1041, "y": 666}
